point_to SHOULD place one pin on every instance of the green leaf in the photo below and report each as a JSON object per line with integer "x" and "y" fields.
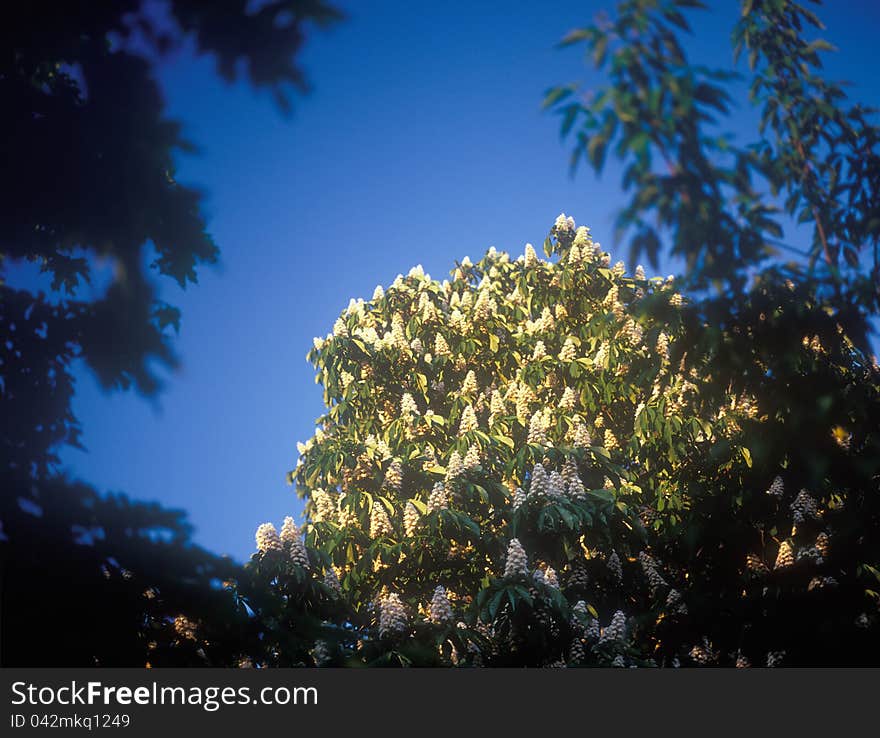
{"x": 495, "y": 603}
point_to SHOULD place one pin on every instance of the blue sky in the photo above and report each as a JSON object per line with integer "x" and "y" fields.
{"x": 422, "y": 142}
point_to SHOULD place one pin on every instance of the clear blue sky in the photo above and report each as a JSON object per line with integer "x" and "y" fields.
{"x": 422, "y": 142}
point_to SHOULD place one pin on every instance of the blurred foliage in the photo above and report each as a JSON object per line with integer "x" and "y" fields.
{"x": 90, "y": 192}
{"x": 722, "y": 204}
{"x": 99, "y": 580}
{"x": 541, "y": 463}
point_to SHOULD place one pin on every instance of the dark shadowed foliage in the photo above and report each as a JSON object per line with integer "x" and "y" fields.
{"x": 90, "y": 197}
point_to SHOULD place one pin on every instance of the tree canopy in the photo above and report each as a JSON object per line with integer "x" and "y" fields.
{"x": 554, "y": 462}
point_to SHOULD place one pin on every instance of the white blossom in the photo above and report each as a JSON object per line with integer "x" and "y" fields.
{"x": 568, "y": 400}
{"x": 537, "y": 430}
{"x": 394, "y": 475}
{"x": 582, "y": 237}
{"x": 581, "y": 436}
{"x": 616, "y": 629}
{"x": 663, "y": 346}
{"x": 777, "y": 488}
{"x": 675, "y": 604}
{"x": 267, "y": 538}
{"x": 324, "y": 507}
{"x": 469, "y": 386}
{"x": 649, "y": 567}
{"x": 803, "y": 507}
{"x": 410, "y": 518}
{"x": 516, "y": 563}
{"x": 472, "y": 457}
{"x": 408, "y": 407}
{"x": 468, "y": 421}
{"x": 380, "y": 523}
{"x": 575, "y": 490}
{"x": 569, "y": 350}
{"x": 437, "y": 500}
{"x": 524, "y": 398}
{"x": 292, "y": 539}
{"x": 392, "y": 615}
{"x": 331, "y": 581}
{"x": 496, "y": 404}
{"x": 615, "y": 567}
{"x": 538, "y": 482}
{"x": 441, "y": 348}
{"x": 555, "y": 486}
{"x": 563, "y": 226}
{"x": 440, "y": 609}
{"x": 455, "y": 468}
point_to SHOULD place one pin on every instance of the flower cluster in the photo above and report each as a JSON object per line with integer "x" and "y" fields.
{"x": 777, "y": 488}
{"x": 615, "y": 567}
{"x": 516, "y": 563}
{"x": 293, "y": 542}
{"x": 803, "y": 507}
{"x": 438, "y": 500}
{"x": 785, "y": 556}
{"x": 616, "y": 629}
{"x": 380, "y": 523}
{"x": 331, "y": 580}
{"x": 649, "y": 567}
{"x": 267, "y": 538}
{"x": 440, "y": 608}
{"x": 392, "y": 615}
{"x": 411, "y": 518}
